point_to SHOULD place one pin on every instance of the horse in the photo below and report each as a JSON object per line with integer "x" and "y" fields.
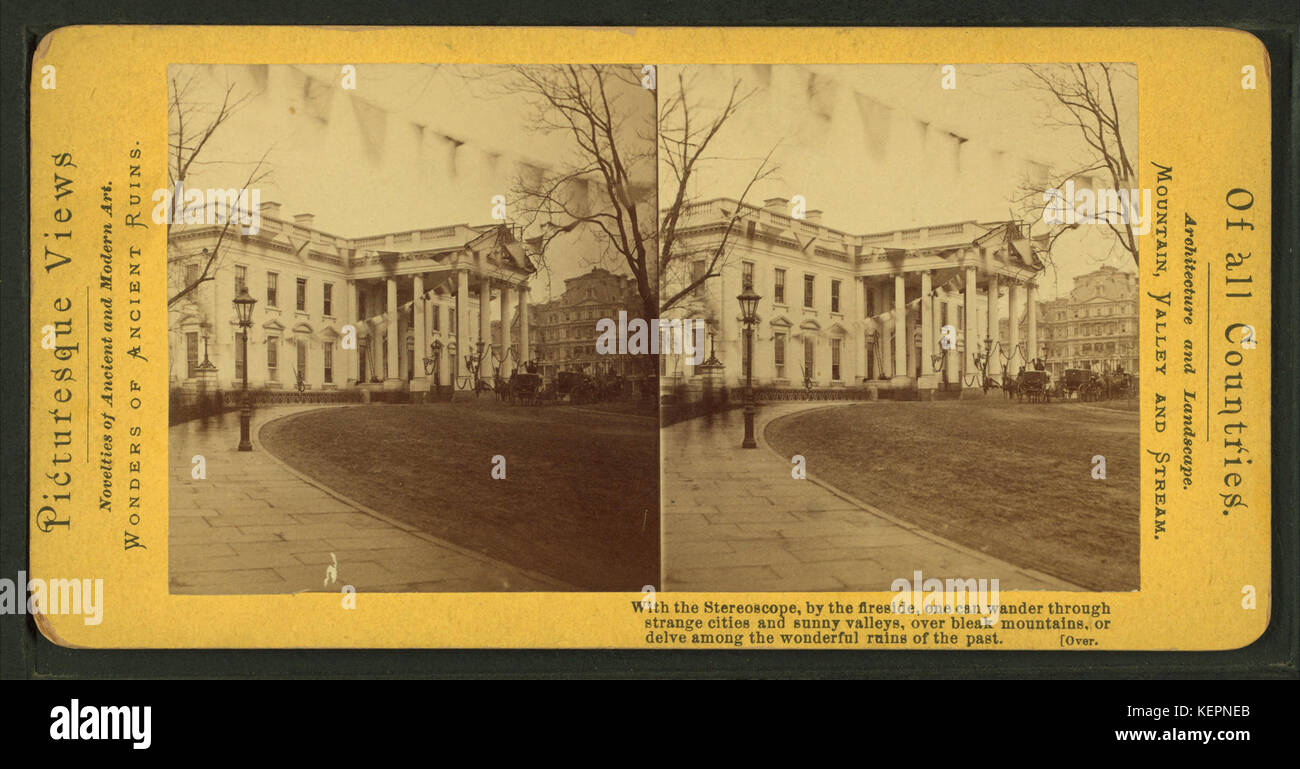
{"x": 1010, "y": 385}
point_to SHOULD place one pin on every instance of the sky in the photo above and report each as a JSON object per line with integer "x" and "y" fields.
{"x": 412, "y": 146}
{"x": 876, "y": 147}
{"x": 883, "y": 147}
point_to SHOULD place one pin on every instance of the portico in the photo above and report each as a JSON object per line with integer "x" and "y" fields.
{"x": 402, "y": 302}
{"x": 911, "y": 295}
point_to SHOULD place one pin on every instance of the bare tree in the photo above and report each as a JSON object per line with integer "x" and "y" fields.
{"x": 607, "y": 188}
{"x": 684, "y": 139}
{"x": 618, "y": 149}
{"x": 1083, "y": 98}
{"x": 192, "y": 124}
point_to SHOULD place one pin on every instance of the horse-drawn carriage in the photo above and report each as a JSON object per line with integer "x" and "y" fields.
{"x": 1120, "y": 384}
{"x": 575, "y": 386}
{"x": 611, "y": 387}
{"x": 528, "y": 387}
{"x": 1083, "y": 384}
{"x": 521, "y": 387}
{"x": 1034, "y": 386}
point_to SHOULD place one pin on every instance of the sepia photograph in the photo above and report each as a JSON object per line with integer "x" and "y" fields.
{"x": 384, "y": 286}
{"x": 921, "y": 294}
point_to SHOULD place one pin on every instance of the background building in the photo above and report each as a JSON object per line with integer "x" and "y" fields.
{"x": 1095, "y": 326}
{"x": 565, "y": 328}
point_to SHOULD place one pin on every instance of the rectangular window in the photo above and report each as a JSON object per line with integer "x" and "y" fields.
{"x": 435, "y": 314}
{"x": 239, "y": 356}
{"x": 808, "y": 281}
{"x": 191, "y": 351}
{"x": 301, "y": 374}
{"x": 697, "y": 272}
{"x": 327, "y": 299}
{"x": 835, "y": 360}
{"x": 871, "y": 300}
{"x": 778, "y": 287}
{"x": 778, "y": 354}
{"x": 835, "y": 296}
{"x": 191, "y": 275}
{"x": 241, "y": 278}
{"x": 272, "y": 357}
{"x": 329, "y": 362}
{"x": 272, "y": 289}
{"x": 302, "y": 294}
{"x": 746, "y": 275}
{"x": 809, "y": 359}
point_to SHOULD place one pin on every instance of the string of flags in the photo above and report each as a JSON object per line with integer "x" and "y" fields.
{"x": 449, "y": 154}
{"x": 880, "y": 124}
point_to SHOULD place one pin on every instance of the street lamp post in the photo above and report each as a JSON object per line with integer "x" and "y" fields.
{"x": 749, "y": 315}
{"x": 432, "y": 365}
{"x": 244, "y": 310}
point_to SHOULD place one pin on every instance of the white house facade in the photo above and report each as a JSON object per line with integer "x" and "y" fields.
{"x": 339, "y": 313}
{"x": 840, "y": 310}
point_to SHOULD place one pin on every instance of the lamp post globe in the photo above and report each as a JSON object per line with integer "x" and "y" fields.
{"x": 749, "y": 316}
{"x": 244, "y": 312}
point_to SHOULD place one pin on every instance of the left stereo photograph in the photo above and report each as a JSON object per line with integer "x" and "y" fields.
{"x": 383, "y": 285}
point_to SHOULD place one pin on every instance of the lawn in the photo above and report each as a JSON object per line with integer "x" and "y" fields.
{"x": 580, "y": 500}
{"x": 1013, "y": 480}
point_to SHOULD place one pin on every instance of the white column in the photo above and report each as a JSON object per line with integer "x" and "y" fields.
{"x": 525, "y": 351}
{"x": 507, "y": 317}
{"x": 418, "y": 305}
{"x": 995, "y": 347}
{"x": 394, "y": 374}
{"x": 444, "y": 364}
{"x": 972, "y": 341}
{"x": 462, "y": 324}
{"x": 952, "y": 367}
{"x": 735, "y": 368}
{"x": 352, "y": 358}
{"x": 402, "y": 353}
{"x": 857, "y": 331}
{"x": 900, "y": 327}
{"x": 485, "y": 320}
{"x": 927, "y": 333}
{"x": 1031, "y": 330}
{"x": 1018, "y": 359}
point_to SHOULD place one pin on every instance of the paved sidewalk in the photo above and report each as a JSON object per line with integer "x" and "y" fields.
{"x": 255, "y": 526}
{"x": 735, "y": 520}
